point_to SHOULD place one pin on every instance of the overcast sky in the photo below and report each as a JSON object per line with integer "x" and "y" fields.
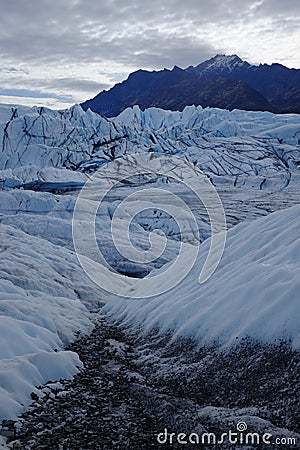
{"x": 59, "y": 52}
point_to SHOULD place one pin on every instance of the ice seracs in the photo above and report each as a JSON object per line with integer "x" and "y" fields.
{"x": 254, "y": 148}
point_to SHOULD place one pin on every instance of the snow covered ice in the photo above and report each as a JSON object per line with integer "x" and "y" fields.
{"x": 254, "y": 292}
{"x": 252, "y": 158}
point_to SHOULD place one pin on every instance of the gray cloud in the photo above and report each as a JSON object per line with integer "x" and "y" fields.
{"x": 12, "y": 70}
{"x": 51, "y": 31}
{"x": 149, "y": 33}
{"x": 26, "y": 93}
{"x": 77, "y": 85}
{"x": 277, "y": 8}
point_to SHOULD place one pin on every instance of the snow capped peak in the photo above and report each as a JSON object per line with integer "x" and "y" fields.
{"x": 220, "y": 65}
{"x": 227, "y": 62}
{"x": 223, "y": 57}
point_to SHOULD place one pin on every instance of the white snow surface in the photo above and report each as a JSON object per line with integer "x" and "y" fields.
{"x": 253, "y": 294}
{"x": 42, "y": 288}
{"x": 39, "y": 314}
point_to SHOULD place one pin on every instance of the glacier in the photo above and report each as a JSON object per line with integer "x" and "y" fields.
{"x": 253, "y": 148}
{"x": 253, "y": 160}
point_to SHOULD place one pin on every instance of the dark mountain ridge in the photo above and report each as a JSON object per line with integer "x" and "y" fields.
{"x": 223, "y": 81}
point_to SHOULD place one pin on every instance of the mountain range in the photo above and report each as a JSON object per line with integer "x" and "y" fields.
{"x": 225, "y": 82}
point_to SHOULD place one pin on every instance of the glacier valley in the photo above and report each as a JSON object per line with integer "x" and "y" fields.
{"x": 197, "y": 342}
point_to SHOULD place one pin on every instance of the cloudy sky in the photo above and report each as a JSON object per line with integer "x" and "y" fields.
{"x": 58, "y": 52}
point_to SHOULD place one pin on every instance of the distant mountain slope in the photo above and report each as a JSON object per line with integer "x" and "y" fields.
{"x": 269, "y": 80}
{"x": 289, "y": 101}
{"x": 223, "y": 81}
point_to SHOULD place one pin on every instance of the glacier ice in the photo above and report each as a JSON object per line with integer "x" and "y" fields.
{"x": 45, "y": 297}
